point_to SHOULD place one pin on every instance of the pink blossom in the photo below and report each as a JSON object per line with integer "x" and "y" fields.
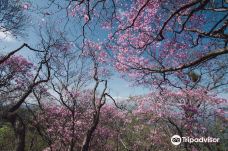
{"x": 86, "y": 18}
{"x": 26, "y": 6}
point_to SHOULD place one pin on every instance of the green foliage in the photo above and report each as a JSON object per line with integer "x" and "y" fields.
{"x": 6, "y": 138}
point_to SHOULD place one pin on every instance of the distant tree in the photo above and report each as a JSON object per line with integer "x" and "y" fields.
{"x": 157, "y": 117}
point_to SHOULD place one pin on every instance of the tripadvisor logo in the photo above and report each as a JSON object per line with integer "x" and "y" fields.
{"x": 176, "y": 140}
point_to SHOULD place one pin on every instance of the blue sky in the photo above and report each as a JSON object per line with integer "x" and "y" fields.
{"x": 118, "y": 87}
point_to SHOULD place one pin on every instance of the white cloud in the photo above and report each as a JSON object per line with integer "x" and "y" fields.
{"x": 6, "y": 37}
{"x": 120, "y": 98}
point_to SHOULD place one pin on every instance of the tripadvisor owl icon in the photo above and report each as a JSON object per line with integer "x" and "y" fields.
{"x": 175, "y": 139}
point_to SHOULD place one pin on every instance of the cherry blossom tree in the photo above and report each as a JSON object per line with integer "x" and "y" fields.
{"x": 155, "y": 42}
{"x": 19, "y": 77}
{"x": 176, "y": 48}
{"x": 70, "y": 103}
{"x": 157, "y": 117}
{"x": 146, "y": 125}
{"x": 160, "y": 42}
{"x": 60, "y": 128}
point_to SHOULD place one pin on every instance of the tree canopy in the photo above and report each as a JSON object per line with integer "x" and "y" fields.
{"x": 55, "y": 86}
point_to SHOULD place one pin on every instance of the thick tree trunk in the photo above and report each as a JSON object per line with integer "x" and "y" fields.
{"x": 87, "y": 139}
{"x": 19, "y": 129}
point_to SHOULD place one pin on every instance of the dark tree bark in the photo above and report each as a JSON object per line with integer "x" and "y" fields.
{"x": 19, "y": 130}
{"x": 87, "y": 139}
